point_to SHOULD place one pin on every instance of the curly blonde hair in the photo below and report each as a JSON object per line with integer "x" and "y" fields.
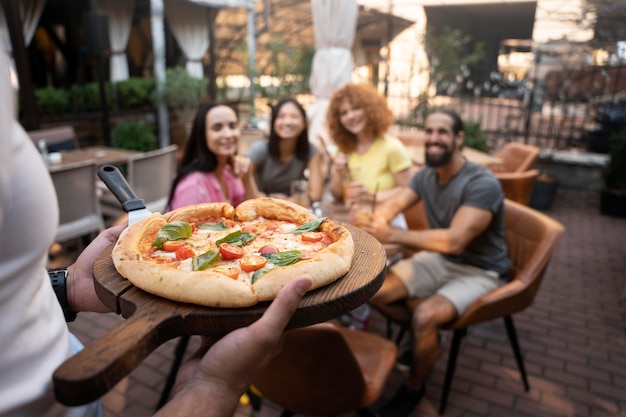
{"x": 378, "y": 116}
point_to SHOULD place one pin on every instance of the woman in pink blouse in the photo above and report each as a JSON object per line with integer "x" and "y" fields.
{"x": 211, "y": 170}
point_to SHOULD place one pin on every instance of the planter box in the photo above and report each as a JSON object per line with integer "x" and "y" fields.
{"x": 613, "y": 203}
{"x": 574, "y": 169}
{"x": 543, "y": 194}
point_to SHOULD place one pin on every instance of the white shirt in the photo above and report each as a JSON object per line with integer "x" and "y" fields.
{"x": 34, "y": 339}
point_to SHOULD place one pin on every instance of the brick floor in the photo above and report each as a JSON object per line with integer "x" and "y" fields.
{"x": 573, "y": 338}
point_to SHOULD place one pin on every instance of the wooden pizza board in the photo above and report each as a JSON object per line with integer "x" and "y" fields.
{"x": 152, "y": 321}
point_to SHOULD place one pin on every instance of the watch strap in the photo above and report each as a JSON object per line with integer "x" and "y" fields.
{"x": 58, "y": 280}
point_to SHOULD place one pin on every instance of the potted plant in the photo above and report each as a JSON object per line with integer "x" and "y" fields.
{"x": 613, "y": 195}
{"x": 134, "y": 135}
{"x": 545, "y": 186}
{"x": 183, "y": 93}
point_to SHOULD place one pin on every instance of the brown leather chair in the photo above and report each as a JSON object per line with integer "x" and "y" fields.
{"x": 516, "y": 157}
{"x": 327, "y": 370}
{"x": 517, "y": 186}
{"x": 531, "y": 238}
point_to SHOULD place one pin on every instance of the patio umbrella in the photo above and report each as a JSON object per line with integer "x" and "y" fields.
{"x": 334, "y": 25}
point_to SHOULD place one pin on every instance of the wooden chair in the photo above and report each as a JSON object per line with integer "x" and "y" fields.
{"x": 79, "y": 210}
{"x": 327, "y": 370}
{"x": 518, "y": 186}
{"x": 57, "y": 138}
{"x": 516, "y": 157}
{"x": 531, "y": 238}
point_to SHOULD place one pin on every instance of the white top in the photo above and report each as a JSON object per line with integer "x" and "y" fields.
{"x": 34, "y": 339}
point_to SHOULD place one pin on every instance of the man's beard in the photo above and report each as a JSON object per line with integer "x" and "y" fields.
{"x": 435, "y": 161}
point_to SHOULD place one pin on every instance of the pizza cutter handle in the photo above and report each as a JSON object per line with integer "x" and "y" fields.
{"x": 115, "y": 181}
{"x": 97, "y": 368}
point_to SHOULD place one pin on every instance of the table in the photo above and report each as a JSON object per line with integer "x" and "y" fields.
{"x": 98, "y": 155}
{"x": 416, "y": 153}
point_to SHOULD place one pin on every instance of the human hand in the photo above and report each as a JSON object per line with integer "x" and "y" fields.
{"x": 213, "y": 379}
{"x": 240, "y": 166}
{"x": 340, "y": 164}
{"x": 81, "y": 292}
{"x": 377, "y": 227}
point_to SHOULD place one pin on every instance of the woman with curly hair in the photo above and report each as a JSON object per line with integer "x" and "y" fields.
{"x": 371, "y": 160}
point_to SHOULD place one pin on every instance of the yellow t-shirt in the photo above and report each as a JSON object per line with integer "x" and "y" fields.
{"x": 385, "y": 157}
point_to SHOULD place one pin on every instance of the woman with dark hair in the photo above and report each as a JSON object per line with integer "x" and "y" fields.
{"x": 369, "y": 159}
{"x": 287, "y": 155}
{"x": 211, "y": 170}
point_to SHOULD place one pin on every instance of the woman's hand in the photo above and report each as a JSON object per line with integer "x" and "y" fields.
{"x": 240, "y": 166}
{"x": 81, "y": 292}
{"x": 212, "y": 380}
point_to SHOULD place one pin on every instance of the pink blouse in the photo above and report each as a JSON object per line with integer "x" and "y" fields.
{"x": 204, "y": 187}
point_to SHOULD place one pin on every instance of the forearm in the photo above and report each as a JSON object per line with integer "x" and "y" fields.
{"x": 336, "y": 187}
{"x": 200, "y": 399}
{"x": 435, "y": 240}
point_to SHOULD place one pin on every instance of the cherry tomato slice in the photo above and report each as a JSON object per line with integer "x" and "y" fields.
{"x": 230, "y": 251}
{"x": 267, "y": 249}
{"x": 230, "y": 272}
{"x": 185, "y": 253}
{"x": 251, "y": 263}
{"x": 173, "y": 245}
{"x": 229, "y": 223}
{"x": 312, "y": 236}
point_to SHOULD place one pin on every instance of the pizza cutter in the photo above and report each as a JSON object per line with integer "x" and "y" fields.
{"x": 115, "y": 181}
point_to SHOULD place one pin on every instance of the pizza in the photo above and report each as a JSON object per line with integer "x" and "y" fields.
{"x": 217, "y": 255}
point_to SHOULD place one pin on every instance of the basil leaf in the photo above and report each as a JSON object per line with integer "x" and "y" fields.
{"x": 283, "y": 258}
{"x": 259, "y": 273}
{"x": 215, "y": 226}
{"x": 200, "y": 262}
{"x": 309, "y": 227}
{"x": 172, "y": 231}
{"x": 236, "y": 238}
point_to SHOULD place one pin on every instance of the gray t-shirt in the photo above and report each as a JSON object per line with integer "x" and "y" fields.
{"x": 475, "y": 186}
{"x": 272, "y": 175}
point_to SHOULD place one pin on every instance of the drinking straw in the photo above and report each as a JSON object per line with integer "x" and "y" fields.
{"x": 374, "y": 200}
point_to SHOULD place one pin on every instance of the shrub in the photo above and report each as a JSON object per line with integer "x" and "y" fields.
{"x": 134, "y": 135}
{"x": 475, "y": 137}
{"x": 182, "y": 91}
{"x": 135, "y": 93}
{"x": 52, "y": 101}
{"x": 86, "y": 98}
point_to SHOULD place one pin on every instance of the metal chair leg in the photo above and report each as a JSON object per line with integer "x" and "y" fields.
{"x": 171, "y": 378}
{"x": 510, "y": 331}
{"x": 454, "y": 351}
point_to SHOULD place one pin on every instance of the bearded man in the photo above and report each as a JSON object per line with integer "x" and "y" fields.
{"x": 461, "y": 256}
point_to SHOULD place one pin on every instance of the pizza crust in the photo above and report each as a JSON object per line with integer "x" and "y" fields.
{"x": 217, "y": 290}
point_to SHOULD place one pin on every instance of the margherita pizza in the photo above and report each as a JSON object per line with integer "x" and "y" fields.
{"x": 219, "y": 256}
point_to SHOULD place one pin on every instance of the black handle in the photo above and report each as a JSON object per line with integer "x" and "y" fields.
{"x": 115, "y": 181}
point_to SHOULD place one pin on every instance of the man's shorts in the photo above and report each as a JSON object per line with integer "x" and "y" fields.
{"x": 428, "y": 273}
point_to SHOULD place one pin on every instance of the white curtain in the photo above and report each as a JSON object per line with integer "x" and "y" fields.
{"x": 120, "y": 14}
{"x": 190, "y": 25}
{"x": 334, "y": 26}
{"x": 30, "y": 13}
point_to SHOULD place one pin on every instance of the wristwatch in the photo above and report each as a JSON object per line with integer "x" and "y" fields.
{"x": 57, "y": 278}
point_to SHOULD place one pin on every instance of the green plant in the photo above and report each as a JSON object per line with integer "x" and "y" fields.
{"x": 134, "y": 135}
{"x": 52, "y": 101}
{"x": 182, "y": 91}
{"x": 135, "y": 93}
{"x": 615, "y": 169}
{"x": 475, "y": 137}
{"x": 86, "y": 97}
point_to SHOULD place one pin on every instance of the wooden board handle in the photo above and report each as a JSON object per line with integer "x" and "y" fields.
{"x": 96, "y": 369}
